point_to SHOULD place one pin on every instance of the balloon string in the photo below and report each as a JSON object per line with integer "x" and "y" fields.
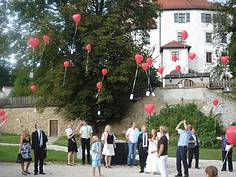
{"x": 149, "y": 82}
{"x": 33, "y": 62}
{"x": 42, "y": 53}
{"x": 135, "y": 78}
{"x": 76, "y": 27}
{"x": 64, "y": 79}
{"x": 86, "y": 66}
{"x": 102, "y": 78}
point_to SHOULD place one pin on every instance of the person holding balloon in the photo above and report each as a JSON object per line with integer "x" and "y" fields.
{"x": 227, "y": 151}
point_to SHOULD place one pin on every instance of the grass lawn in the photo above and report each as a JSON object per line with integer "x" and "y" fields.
{"x": 8, "y": 138}
{"x": 62, "y": 141}
{"x": 9, "y": 154}
{"x": 207, "y": 154}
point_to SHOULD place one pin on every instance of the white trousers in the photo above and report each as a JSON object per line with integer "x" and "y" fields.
{"x": 162, "y": 165}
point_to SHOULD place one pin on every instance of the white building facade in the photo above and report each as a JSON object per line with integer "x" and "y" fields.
{"x": 196, "y": 18}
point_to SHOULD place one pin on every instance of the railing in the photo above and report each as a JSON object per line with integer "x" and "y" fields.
{"x": 17, "y": 102}
{"x": 222, "y": 84}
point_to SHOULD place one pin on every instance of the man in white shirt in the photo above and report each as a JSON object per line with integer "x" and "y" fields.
{"x": 132, "y": 137}
{"x": 86, "y": 132}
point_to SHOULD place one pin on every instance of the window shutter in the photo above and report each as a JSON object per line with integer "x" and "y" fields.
{"x": 203, "y": 18}
{"x": 176, "y": 17}
{"x": 187, "y": 17}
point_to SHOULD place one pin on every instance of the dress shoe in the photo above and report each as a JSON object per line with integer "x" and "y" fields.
{"x": 178, "y": 175}
{"x": 42, "y": 173}
{"x": 197, "y": 167}
{"x": 223, "y": 169}
{"x": 141, "y": 171}
{"x": 35, "y": 173}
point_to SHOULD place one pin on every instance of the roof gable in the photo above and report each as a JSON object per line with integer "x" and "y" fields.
{"x": 175, "y": 45}
{"x": 185, "y": 4}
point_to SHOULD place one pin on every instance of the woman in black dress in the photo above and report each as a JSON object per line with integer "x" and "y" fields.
{"x": 72, "y": 146}
{"x": 24, "y": 150}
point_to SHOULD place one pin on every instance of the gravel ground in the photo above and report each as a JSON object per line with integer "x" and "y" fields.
{"x": 59, "y": 170}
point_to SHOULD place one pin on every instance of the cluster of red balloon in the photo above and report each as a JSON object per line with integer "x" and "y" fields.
{"x": 191, "y": 56}
{"x": 34, "y": 44}
{"x": 145, "y": 66}
{"x": 3, "y": 116}
{"x": 99, "y": 87}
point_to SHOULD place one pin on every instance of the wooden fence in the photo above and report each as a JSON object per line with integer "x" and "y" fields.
{"x": 17, "y": 102}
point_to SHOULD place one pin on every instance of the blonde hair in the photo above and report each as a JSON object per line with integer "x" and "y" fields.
{"x": 25, "y": 133}
{"x": 94, "y": 139}
{"x": 107, "y": 128}
{"x": 163, "y": 129}
{"x": 211, "y": 171}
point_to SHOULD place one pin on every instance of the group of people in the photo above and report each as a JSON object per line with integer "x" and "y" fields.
{"x": 38, "y": 145}
{"x": 152, "y": 149}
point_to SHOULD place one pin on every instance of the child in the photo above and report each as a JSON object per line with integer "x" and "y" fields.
{"x": 96, "y": 153}
{"x": 211, "y": 171}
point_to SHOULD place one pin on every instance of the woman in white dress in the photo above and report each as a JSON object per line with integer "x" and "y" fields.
{"x": 109, "y": 145}
{"x": 151, "y": 163}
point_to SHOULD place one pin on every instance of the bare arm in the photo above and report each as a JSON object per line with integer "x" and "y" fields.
{"x": 185, "y": 125}
{"x": 161, "y": 150}
{"x": 177, "y": 127}
{"x": 105, "y": 137}
{"x": 21, "y": 140}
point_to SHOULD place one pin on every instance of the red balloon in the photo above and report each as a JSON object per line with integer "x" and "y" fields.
{"x": 66, "y": 64}
{"x": 2, "y": 113}
{"x": 231, "y": 134}
{"x": 145, "y": 66}
{"x": 191, "y": 56}
{"x": 46, "y": 39}
{"x": 33, "y": 88}
{"x": 99, "y": 85}
{"x": 224, "y": 60}
{"x": 138, "y": 58}
{"x": 88, "y": 48}
{"x": 34, "y": 42}
{"x": 184, "y": 35}
{"x": 104, "y": 72}
{"x": 149, "y": 61}
{"x": 76, "y": 18}
{"x": 215, "y": 102}
{"x": 178, "y": 68}
{"x": 149, "y": 108}
{"x": 161, "y": 70}
{"x": 174, "y": 58}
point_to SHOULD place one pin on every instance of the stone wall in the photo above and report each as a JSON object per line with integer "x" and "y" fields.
{"x": 20, "y": 118}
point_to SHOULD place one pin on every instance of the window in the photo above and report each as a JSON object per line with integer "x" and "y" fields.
{"x": 224, "y": 38}
{"x": 208, "y": 57}
{"x": 206, "y": 18}
{"x": 176, "y": 53}
{"x": 179, "y": 37}
{"x": 181, "y": 17}
{"x": 208, "y": 37}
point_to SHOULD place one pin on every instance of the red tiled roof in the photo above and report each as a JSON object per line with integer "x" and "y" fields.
{"x": 184, "y": 4}
{"x": 175, "y": 44}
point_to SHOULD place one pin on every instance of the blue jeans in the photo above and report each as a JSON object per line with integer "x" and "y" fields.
{"x": 132, "y": 153}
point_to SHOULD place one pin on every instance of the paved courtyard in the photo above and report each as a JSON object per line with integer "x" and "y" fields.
{"x": 60, "y": 170}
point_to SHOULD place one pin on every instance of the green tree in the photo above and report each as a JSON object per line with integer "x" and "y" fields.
{"x": 107, "y": 25}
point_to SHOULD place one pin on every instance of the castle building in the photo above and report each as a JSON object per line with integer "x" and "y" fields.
{"x": 197, "y": 53}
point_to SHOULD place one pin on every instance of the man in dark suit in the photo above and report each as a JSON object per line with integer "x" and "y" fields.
{"x": 39, "y": 140}
{"x": 143, "y": 148}
{"x": 193, "y": 149}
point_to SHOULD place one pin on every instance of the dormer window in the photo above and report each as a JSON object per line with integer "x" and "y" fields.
{"x": 181, "y": 17}
{"x": 206, "y": 18}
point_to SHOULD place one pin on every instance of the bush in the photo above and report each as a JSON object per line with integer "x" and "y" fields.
{"x": 208, "y": 127}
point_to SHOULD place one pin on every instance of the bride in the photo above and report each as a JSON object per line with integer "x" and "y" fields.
{"x": 151, "y": 163}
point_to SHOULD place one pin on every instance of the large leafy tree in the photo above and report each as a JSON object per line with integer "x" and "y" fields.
{"x": 225, "y": 23}
{"x": 107, "y": 25}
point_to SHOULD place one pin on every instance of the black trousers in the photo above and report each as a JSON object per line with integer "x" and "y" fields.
{"x": 193, "y": 152}
{"x": 39, "y": 155}
{"x": 181, "y": 155}
{"x": 229, "y": 158}
{"x": 143, "y": 153}
{"x": 85, "y": 145}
